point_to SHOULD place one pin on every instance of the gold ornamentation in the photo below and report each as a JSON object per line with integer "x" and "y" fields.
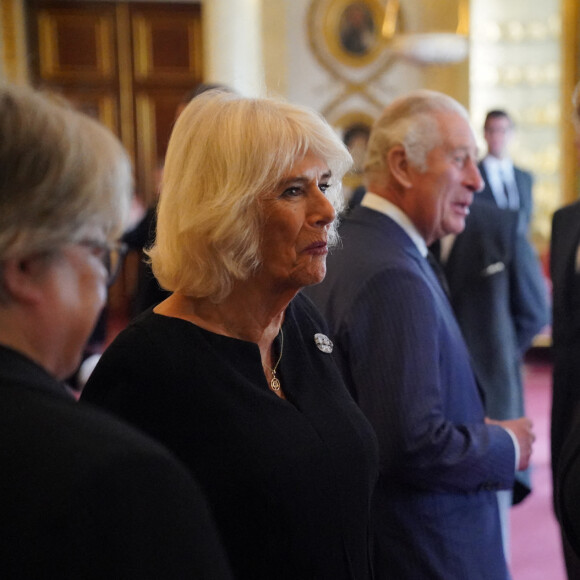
{"x": 355, "y": 66}
{"x": 275, "y": 381}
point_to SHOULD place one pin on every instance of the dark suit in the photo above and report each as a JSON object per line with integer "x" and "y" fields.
{"x": 148, "y": 292}
{"x": 566, "y": 499}
{"x": 499, "y": 297}
{"x": 84, "y": 496}
{"x": 404, "y": 359}
{"x": 565, "y": 347}
{"x": 524, "y": 182}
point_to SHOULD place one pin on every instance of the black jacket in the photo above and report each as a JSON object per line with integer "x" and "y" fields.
{"x": 84, "y": 496}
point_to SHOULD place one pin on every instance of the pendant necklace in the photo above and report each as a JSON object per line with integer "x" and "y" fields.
{"x": 275, "y": 382}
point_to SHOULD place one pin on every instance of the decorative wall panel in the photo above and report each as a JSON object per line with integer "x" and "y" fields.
{"x": 76, "y": 45}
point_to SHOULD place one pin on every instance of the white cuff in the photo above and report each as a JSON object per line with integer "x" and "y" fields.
{"x": 516, "y": 446}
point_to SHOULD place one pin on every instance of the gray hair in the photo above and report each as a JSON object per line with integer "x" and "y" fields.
{"x": 225, "y": 153}
{"x": 60, "y": 172}
{"x": 409, "y": 121}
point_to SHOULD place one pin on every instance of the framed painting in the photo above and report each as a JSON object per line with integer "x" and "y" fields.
{"x": 354, "y": 128}
{"x": 347, "y": 34}
{"x": 352, "y": 31}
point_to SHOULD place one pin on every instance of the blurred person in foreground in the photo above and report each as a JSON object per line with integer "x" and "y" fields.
{"x": 81, "y": 494}
{"x": 234, "y": 371}
{"x": 435, "y": 512}
{"x": 565, "y": 419}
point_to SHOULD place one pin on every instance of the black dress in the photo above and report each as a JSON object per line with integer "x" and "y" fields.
{"x": 289, "y": 481}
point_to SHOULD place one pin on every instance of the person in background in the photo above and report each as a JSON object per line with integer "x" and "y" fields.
{"x": 565, "y": 418}
{"x": 199, "y": 89}
{"x": 147, "y": 292}
{"x": 506, "y": 185}
{"x": 435, "y": 512}
{"x": 234, "y": 371}
{"x": 81, "y": 494}
{"x": 356, "y": 138}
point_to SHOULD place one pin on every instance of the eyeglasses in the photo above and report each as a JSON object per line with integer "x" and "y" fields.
{"x": 110, "y": 254}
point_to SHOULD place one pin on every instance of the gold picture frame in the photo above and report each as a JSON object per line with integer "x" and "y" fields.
{"x": 354, "y": 65}
{"x": 352, "y": 31}
{"x": 354, "y": 128}
{"x": 347, "y": 34}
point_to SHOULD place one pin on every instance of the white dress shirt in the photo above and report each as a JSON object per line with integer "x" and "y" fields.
{"x": 500, "y": 172}
{"x": 384, "y": 206}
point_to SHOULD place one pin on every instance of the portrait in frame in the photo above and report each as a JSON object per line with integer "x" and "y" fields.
{"x": 354, "y": 128}
{"x": 352, "y": 31}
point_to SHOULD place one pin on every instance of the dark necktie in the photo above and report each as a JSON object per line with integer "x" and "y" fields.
{"x": 439, "y": 273}
{"x": 506, "y": 192}
{"x": 511, "y": 193}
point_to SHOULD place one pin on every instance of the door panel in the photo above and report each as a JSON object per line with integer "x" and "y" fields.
{"x": 127, "y": 64}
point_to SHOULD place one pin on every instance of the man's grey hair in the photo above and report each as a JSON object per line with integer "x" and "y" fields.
{"x": 409, "y": 121}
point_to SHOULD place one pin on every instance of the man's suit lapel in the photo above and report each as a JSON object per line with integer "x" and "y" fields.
{"x": 524, "y": 185}
{"x": 458, "y": 277}
{"x": 486, "y": 194}
{"x": 391, "y": 232}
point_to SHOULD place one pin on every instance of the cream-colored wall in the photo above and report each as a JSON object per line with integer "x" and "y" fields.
{"x": 276, "y": 47}
{"x": 294, "y": 69}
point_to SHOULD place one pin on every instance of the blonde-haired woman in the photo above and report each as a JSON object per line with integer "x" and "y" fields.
{"x": 234, "y": 371}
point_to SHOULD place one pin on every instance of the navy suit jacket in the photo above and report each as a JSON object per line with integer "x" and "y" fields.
{"x": 499, "y": 297}
{"x": 565, "y": 332}
{"x": 405, "y": 361}
{"x": 524, "y": 183}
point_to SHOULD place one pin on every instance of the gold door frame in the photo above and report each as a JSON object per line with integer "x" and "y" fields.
{"x": 13, "y": 61}
{"x": 570, "y": 76}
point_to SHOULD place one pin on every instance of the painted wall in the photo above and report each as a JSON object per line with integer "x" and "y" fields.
{"x": 301, "y": 67}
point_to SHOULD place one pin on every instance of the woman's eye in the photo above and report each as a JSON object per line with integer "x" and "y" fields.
{"x": 324, "y": 187}
{"x": 292, "y": 191}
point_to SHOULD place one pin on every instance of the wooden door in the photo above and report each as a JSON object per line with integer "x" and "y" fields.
{"x": 127, "y": 64}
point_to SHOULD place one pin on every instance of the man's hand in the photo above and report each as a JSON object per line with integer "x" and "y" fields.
{"x": 522, "y": 429}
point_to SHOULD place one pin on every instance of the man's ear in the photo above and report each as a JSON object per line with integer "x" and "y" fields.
{"x": 22, "y": 278}
{"x": 398, "y": 164}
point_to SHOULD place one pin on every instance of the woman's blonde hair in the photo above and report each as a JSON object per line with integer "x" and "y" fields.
{"x": 60, "y": 172}
{"x": 224, "y": 154}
